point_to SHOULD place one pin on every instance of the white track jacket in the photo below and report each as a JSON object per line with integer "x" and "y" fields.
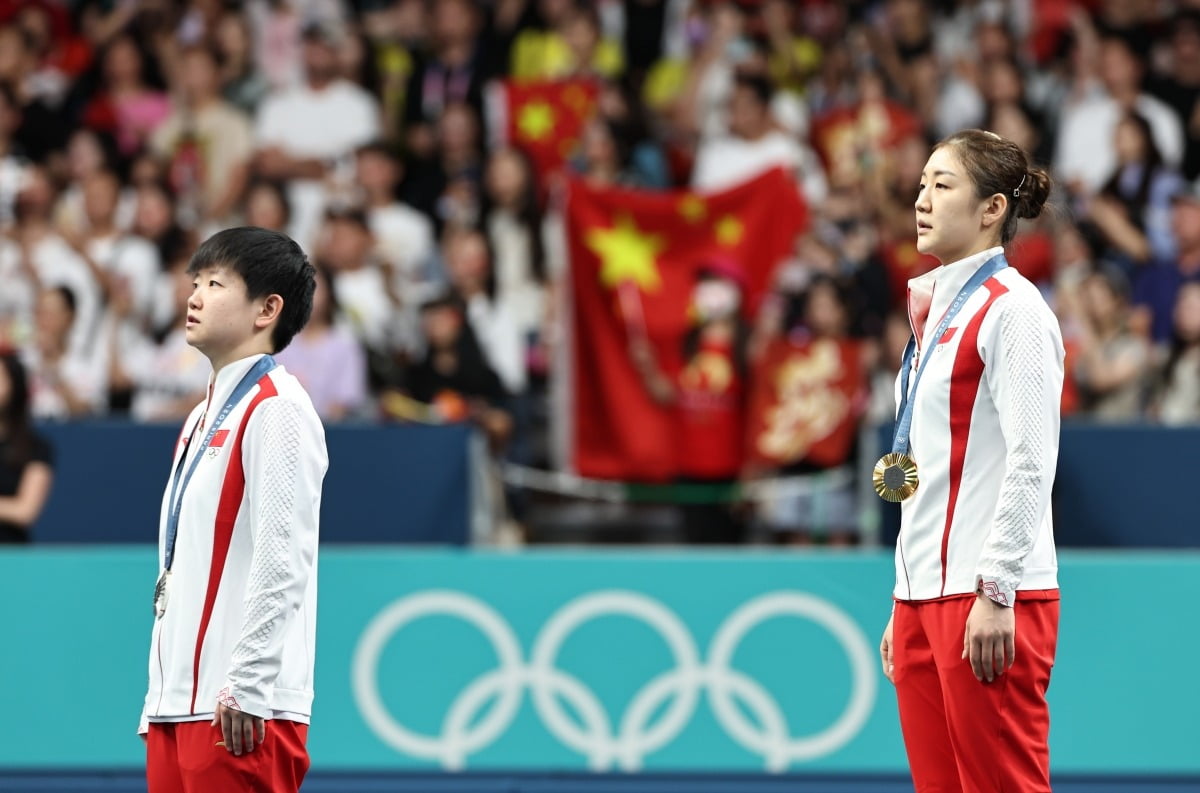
{"x": 240, "y": 622}
{"x": 984, "y": 437}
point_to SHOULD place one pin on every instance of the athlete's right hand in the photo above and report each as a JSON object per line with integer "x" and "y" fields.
{"x": 886, "y": 654}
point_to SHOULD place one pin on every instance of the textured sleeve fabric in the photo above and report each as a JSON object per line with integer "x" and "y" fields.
{"x": 284, "y": 465}
{"x": 1023, "y": 364}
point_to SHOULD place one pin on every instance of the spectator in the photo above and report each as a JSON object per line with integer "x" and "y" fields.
{"x": 127, "y": 106}
{"x": 1180, "y": 86}
{"x": 241, "y": 83}
{"x": 618, "y": 104}
{"x": 514, "y": 226}
{"x": 452, "y": 72}
{"x": 404, "y": 235}
{"x": 362, "y": 287}
{"x": 154, "y": 219}
{"x": 159, "y": 376}
{"x": 469, "y": 267}
{"x": 327, "y": 359}
{"x": 1112, "y": 360}
{"x": 88, "y": 153}
{"x": 117, "y": 259}
{"x": 206, "y": 141}
{"x": 266, "y": 205}
{"x": 49, "y": 261}
{"x": 27, "y": 126}
{"x": 446, "y": 187}
{"x": 308, "y": 134}
{"x": 1157, "y": 284}
{"x": 754, "y": 145}
{"x": 12, "y": 164}
{"x": 454, "y": 377}
{"x": 1084, "y": 154}
{"x": 63, "y": 384}
{"x": 828, "y": 395}
{"x": 711, "y": 397}
{"x": 26, "y": 458}
{"x": 1132, "y": 211}
{"x": 566, "y": 42}
{"x": 1177, "y": 400}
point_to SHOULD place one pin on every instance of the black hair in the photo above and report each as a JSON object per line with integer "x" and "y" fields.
{"x": 996, "y": 165}
{"x": 18, "y": 421}
{"x": 1152, "y": 161}
{"x": 9, "y": 95}
{"x": 270, "y": 263}
{"x": 272, "y": 186}
{"x": 528, "y": 212}
{"x": 68, "y": 297}
{"x": 758, "y": 85}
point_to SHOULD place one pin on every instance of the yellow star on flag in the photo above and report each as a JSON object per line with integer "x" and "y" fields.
{"x": 729, "y": 231}
{"x": 627, "y": 254}
{"x": 536, "y": 120}
{"x": 692, "y": 208}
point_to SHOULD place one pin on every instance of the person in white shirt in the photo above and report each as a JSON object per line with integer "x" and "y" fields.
{"x": 973, "y": 464}
{"x": 307, "y": 134}
{"x": 755, "y": 144}
{"x": 63, "y": 382}
{"x": 117, "y": 259}
{"x": 231, "y": 657}
{"x": 403, "y": 237}
{"x": 1084, "y": 155}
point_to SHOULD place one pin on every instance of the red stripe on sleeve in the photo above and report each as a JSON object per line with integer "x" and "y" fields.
{"x": 232, "y": 491}
{"x": 964, "y": 387}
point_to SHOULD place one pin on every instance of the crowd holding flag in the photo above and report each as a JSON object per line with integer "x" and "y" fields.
{"x": 645, "y": 378}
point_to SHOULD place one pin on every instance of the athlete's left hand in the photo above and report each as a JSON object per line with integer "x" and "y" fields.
{"x": 241, "y": 731}
{"x": 990, "y": 640}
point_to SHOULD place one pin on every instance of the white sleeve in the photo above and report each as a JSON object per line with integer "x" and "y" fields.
{"x": 270, "y": 127}
{"x": 285, "y": 461}
{"x": 1023, "y": 364}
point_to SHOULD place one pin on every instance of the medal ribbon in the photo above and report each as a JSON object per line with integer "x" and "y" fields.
{"x": 264, "y": 365}
{"x": 900, "y": 440}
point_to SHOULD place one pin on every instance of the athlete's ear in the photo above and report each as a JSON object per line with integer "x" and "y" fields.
{"x": 272, "y": 307}
{"x": 994, "y": 209}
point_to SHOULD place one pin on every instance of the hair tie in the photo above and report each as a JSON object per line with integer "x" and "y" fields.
{"x": 1017, "y": 192}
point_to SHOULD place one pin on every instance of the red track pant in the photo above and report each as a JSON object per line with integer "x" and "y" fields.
{"x": 183, "y": 757}
{"x": 964, "y": 736}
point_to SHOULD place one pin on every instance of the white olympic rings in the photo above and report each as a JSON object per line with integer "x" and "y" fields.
{"x": 635, "y": 737}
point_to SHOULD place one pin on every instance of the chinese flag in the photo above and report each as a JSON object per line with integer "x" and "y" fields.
{"x": 846, "y": 135}
{"x": 546, "y": 118}
{"x": 805, "y": 403}
{"x": 634, "y": 262}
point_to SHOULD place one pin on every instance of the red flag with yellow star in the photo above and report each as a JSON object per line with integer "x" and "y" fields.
{"x": 545, "y": 118}
{"x": 635, "y": 258}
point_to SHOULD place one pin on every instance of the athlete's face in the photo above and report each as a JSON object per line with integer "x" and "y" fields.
{"x": 952, "y": 222}
{"x": 220, "y": 317}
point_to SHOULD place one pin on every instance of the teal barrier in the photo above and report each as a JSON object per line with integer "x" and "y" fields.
{"x": 608, "y": 660}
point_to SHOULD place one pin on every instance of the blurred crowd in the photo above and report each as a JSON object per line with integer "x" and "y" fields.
{"x": 132, "y": 129}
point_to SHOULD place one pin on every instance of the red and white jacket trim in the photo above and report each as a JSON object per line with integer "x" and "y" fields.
{"x": 240, "y": 624}
{"x": 985, "y": 438}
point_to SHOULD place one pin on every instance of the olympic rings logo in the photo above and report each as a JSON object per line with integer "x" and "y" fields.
{"x": 635, "y": 737}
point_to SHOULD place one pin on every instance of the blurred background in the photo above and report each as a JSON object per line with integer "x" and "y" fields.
{"x": 610, "y": 303}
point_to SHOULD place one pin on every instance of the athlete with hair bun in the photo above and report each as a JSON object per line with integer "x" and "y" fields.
{"x": 973, "y": 631}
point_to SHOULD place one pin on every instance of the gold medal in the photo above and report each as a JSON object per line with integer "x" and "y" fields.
{"x": 895, "y": 477}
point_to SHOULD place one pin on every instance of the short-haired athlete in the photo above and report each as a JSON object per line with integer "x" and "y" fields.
{"x": 231, "y": 655}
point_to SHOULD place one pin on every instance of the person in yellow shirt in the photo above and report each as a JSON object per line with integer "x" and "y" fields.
{"x": 571, "y": 44}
